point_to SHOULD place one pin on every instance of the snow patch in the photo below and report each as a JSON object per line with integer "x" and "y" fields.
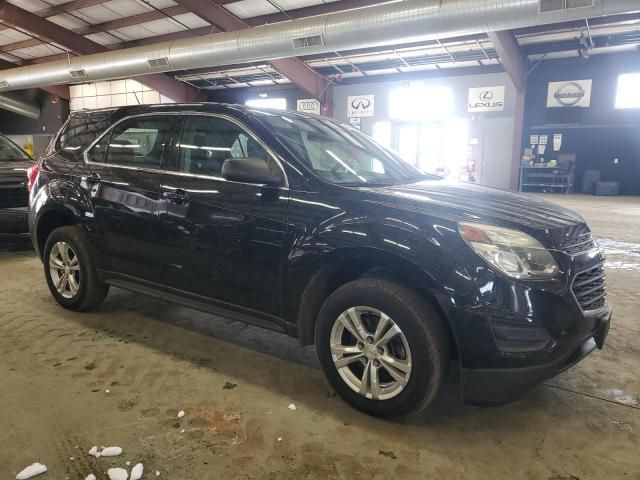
{"x": 117, "y": 474}
{"x": 292, "y": 407}
{"x": 111, "y": 452}
{"x": 31, "y": 471}
{"x": 136, "y": 472}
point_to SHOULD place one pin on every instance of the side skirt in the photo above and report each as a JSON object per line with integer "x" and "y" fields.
{"x": 197, "y": 302}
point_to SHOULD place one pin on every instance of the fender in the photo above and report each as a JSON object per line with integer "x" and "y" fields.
{"x": 344, "y": 248}
{"x": 59, "y": 202}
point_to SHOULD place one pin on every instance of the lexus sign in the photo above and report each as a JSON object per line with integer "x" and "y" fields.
{"x": 360, "y": 106}
{"x": 486, "y": 99}
{"x": 572, "y": 93}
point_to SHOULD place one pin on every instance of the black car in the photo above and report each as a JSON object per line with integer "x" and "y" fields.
{"x": 305, "y": 226}
{"x": 14, "y": 199}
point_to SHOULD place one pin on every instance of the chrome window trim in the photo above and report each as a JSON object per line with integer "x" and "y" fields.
{"x": 190, "y": 113}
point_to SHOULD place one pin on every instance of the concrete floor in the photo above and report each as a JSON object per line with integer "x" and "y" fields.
{"x": 235, "y": 383}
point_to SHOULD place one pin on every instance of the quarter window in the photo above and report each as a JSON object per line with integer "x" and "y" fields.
{"x": 206, "y": 142}
{"x": 137, "y": 142}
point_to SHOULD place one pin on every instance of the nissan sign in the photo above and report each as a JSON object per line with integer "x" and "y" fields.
{"x": 360, "y": 106}
{"x": 572, "y": 93}
{"x": 486, "y": 99}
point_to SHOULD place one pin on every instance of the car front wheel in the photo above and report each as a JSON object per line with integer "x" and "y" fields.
{"x": 70, "y": 270}
{"x": 382, "y": 347}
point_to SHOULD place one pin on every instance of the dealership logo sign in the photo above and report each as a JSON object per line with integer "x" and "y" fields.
{"x": 360, "y": 106}
{"x": 486, "y": 95}
{"x": 569, "y": 94}
{"x": 573, "y": 93}
{"x": 309, "y": 105}
{"x": 486, "y": 99}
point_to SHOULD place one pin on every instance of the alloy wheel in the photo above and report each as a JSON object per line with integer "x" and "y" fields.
{"x": 64, "y": 268}
{"x": 371, "y": 353}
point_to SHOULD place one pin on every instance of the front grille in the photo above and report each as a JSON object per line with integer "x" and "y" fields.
{"x": 578, "y": 244}
{"x": 14, "y": 197}
{"x": 589, "y": 288}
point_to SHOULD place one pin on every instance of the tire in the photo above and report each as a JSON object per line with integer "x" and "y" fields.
{"x": 421, "y": 329}
{"x": 89, "y": 291}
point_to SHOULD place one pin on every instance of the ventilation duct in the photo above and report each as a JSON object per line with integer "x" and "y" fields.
{"x": 387, "y": 24}
{"x": 20, "y": 106}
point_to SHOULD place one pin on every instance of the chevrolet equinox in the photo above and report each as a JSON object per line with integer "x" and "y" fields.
{"x": 305, "y": 226}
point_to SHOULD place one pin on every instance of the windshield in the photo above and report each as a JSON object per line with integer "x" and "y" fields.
{"x": 10, "y": 152}
{"x": 337, "y": 153}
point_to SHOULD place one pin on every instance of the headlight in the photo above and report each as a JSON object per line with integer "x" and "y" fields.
{"x": 512, "y": 252}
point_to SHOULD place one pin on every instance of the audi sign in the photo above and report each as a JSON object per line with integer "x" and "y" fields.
{"x": 309, "y": 105}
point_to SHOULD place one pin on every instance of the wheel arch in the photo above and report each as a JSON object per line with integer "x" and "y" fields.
{"x": 347, "y": 266}
{"x": 59, "y": 203}
{"x": 48, "y": 221}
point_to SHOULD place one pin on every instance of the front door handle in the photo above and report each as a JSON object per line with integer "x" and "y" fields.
{"x": 91, "y": 179}
{"x": 177, "y": 196}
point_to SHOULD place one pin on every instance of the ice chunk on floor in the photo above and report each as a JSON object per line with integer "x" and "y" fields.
{"x": 91, "y": 476}
{"x": 117, "y": 474}
{"x": 31, "y": 471}
{"x": 292, "y": 407}
{"x": 181, "y": 414}
{"x": 111, "y": 452}
{"x": 94, "y": 451}
{"x": 136, "y": 472}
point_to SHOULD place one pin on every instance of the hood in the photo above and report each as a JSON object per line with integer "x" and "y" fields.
{"x": 458, "y": 201}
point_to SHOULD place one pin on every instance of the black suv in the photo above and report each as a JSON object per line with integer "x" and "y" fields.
{"x": 305, "y": 226}
{"x": 14, "y": 163}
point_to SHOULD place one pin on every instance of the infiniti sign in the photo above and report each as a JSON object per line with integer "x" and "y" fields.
{"x": 360, "y": 106}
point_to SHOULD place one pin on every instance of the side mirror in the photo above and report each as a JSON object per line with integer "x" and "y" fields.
{"x": 249, "y": 170}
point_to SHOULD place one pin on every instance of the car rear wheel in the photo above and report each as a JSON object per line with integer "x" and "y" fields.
{"x": 70, "y": 270}
{"x": 382, "y": 347}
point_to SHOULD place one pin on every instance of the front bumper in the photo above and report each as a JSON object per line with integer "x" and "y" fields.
{"x": 14, "y": 221}
{"x": 494, "y": 386}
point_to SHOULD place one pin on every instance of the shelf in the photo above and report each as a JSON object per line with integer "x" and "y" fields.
{"x": 545, "y": 185}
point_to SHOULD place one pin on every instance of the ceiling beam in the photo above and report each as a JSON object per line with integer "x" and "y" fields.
{"x": 303, "y": 12}
{"x": 514, "y": 62}
{"x": 511, "y": 57}
{"x": 106, "y": 26}
{"x": 73, "y": 5}
{"x": 293, "y": 68}
{"x": 49, "y": 31}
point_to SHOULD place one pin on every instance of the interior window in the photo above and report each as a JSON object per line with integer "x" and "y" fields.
{"x": 206, "y": 142}
{"x": 137, "y": 142}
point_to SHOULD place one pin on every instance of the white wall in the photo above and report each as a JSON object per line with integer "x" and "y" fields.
{"x": 115, "y": 93}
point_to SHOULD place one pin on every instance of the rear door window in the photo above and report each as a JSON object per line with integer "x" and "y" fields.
{"x": 141, "y": 142}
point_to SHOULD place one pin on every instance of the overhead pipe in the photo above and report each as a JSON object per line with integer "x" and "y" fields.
{"x": 387, "y": 24}
{"x": 21, "y": 107}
